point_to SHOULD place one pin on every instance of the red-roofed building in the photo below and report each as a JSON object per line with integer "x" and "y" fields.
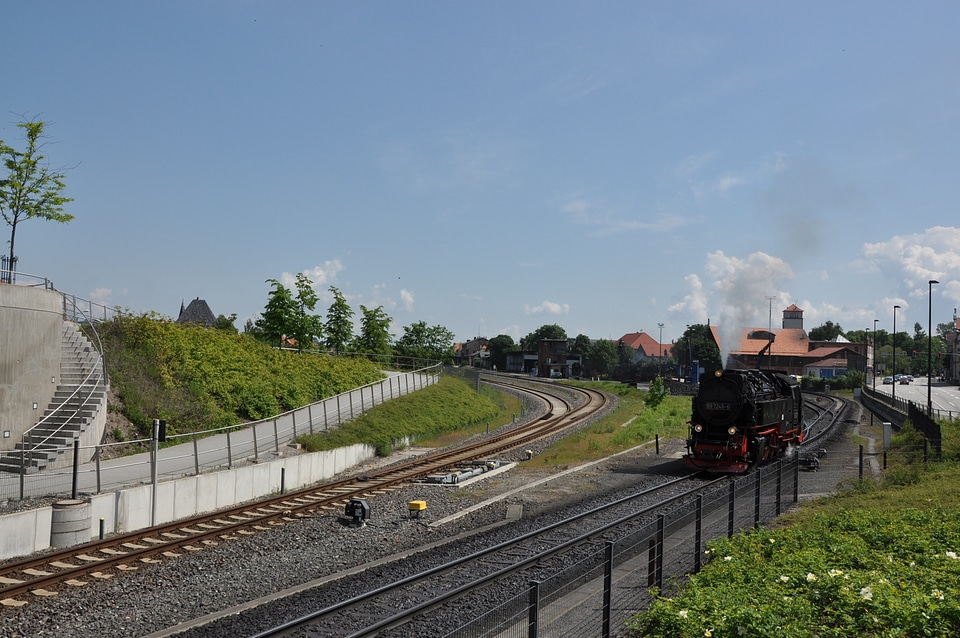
{"x": 646, "y": 347}
{"x": 790, "y": 350}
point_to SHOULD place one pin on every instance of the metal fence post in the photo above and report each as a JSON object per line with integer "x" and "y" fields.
{"x": 731, "y": 507}
{"x": 533, "y": 610}
{"x": 698, "y": 535}
{"x": 756, "y": 498}
{"x": 779, "y": 486}
{"x": 276, "y": 437}
{"x": 196, "y": 456}
{"x": 607, "y": 586}
{"x": 229, "y": 451}
{"x": 253, "y": 429}
{"x": 660, "y": 525}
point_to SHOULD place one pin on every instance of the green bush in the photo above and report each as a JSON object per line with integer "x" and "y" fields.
{"x": 852, "y": 573}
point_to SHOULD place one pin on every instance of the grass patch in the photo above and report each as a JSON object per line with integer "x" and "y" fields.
{"x": 451, "y": 407}
{"x": 632, "y": 423}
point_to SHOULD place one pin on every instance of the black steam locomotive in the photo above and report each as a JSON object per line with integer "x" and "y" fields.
{"x": 742, "y": 418}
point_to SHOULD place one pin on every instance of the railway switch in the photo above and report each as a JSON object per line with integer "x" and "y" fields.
{"x": 358, "y": 509}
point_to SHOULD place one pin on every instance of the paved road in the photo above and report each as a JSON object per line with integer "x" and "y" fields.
{"x": 943, "y": 396}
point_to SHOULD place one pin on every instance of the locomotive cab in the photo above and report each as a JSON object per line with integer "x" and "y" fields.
{"x": 742, "y": 418}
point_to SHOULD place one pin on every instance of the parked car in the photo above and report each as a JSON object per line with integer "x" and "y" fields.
{"x": 904, "y": 380}
{"x": 888, "y": 381}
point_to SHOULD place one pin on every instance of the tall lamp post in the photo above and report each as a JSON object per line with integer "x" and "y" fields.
{"x": 875, "y": 321}
{"x": 660, "y": 357}
{"x": 894, "y": 390}
{"x": 866, "y": 356}
{"x": 930, "y": 343}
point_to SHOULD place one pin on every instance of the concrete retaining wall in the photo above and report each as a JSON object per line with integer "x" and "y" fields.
{"x": 130, "y": 509}
{"x": 32, "y": 320}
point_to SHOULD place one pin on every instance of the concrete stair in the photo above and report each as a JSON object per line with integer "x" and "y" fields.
{"x": 77, "y": 402}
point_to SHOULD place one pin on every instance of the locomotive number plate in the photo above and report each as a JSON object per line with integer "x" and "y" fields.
{"x": 717, "y": 406}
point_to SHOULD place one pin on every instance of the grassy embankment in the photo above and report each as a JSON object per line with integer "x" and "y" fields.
{"x": 199, "y": 379}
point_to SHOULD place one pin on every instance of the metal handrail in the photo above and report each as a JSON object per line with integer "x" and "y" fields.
{"x": 97, "y": 375}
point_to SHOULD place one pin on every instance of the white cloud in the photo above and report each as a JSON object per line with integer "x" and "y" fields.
{"x": 322, "y": 276}
{"x": 548, "y": 308}
{"x": 913, "y": 260}
{"x": 406, "y": 299}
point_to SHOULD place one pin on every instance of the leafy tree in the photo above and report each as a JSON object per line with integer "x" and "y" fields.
{"x": 374, "y": 338}
{"x": 339, "y": 326}
{"x": 550, "y": 331}
{"x": 278, "y": 314}
{"x": 826, "y": 332}
{"x": 581, "y": 345}
{"x": 919, "y": 334}
{"x": 226, "y": 323}
{"x": 424, "y": 342}
{"x": 31, "y": 189}
{"x": 498, "y": 347}
{"x": 697, "y": 344}
{"x": 306, "y": 328}
{"x": 603, "y": 357}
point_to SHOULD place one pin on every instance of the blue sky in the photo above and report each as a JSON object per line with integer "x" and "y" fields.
{"x": 495, "y": 166}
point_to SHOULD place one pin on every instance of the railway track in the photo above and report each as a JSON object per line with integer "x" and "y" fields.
{"x": 86, "y": 564}
{"x": 502, "y": 569}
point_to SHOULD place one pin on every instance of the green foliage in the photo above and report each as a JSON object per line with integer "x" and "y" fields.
{"x": 339, "y": 325}
{"x": 697, "y": 343}
{"x": 429, "y": 343}
{"x": 548, "y": 331}
{"x": 850, "y": 573}
{"x": 374, "y": 339}
{"x": 444, "y": 407}
{"x": 198, "y": 379}
{"x": 602, "y": 357}
{"x": 656, "y": 394}
{"x": 278, "y": 315}
{"x": 31, "y": 189}
{"x": 498, "y": 347}
{"x": 825, "y": 332}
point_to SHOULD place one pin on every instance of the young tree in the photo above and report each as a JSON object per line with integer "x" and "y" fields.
{"x": 277, "y": 316}
{"x": 31, "y": 189}
{"x": 306, "y": 327}
{"x": 374, "y": 338}
{"x": 339, "y": 326}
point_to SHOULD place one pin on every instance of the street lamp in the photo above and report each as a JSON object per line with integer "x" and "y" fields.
{"x": 893, "y": 391}
{"x": 660, "y": 357}
{"x": 875, "y": 321}
{"x": 930, "y": 343}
